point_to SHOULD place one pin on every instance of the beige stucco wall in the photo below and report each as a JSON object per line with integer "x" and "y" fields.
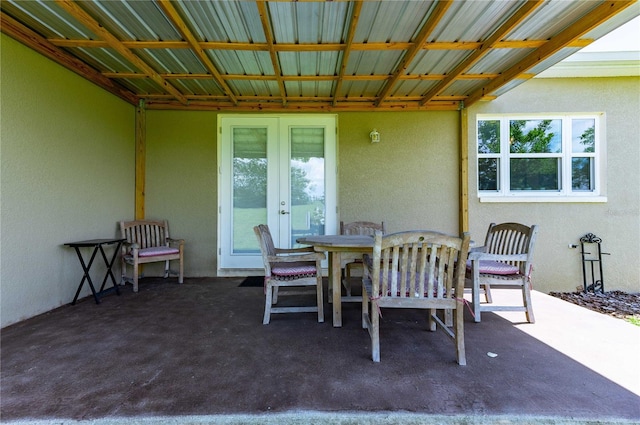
{"x": 409, "y": 180}
{"x": 67, "y": 174}
{"x": 182, "y": 183}
{"x": 617, "y": 222}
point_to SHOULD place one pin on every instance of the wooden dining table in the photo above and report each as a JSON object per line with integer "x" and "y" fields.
{"x": 340, "y": 248}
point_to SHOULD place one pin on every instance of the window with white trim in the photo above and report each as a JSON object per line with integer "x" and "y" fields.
{"x": 550, "y": 156}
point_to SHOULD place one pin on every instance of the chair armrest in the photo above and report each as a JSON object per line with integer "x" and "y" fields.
{"x": 477, "y": 249}
{"x": 294, "y": 250}
{"x": 313, "y": 256}
{"x": 172, "y": 241}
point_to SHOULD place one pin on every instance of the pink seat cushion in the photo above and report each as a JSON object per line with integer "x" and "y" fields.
{"x": 157, "y": 250}
{"x": 495, "y": 267}
{"x": 292, "y": 271}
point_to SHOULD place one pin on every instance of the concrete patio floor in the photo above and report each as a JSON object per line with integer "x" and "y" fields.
{"x": 197, "y": 353}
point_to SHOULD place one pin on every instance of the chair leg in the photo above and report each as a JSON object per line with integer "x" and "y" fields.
{"x": 181, "y": 271}
{"x": 268, "y": 301}
{"x": 346, "y": 282}
{"x": 375, "y": 333}
{"x": 526, "y": 299}
{"x": 135, "y": 276}
{"x": 320, "y": 300}
{"x": 459, "y": 336}
{"x": 430, "y": 322}
{"x": 475, "y": 293}
{"x": 123, "y": 271}
{"x": 166, "y": 269}
{"x": 487, "y": 293}
{"x": 365, "y": 308}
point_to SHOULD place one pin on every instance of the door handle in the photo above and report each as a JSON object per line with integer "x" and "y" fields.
{"x": 284, "y": 212}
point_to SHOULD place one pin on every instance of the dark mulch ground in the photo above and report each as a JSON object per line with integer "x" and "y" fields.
{"x": 614, "y": 303}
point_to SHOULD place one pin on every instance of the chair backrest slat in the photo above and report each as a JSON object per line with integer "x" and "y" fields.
{"x": 511, "y": 239}
{"x": 418, "y": 264}
{"x": 361, "y": 228}
{"x": 145, "y": 233}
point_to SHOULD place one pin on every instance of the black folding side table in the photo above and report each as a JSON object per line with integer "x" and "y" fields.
{"x": 97, "y": 245}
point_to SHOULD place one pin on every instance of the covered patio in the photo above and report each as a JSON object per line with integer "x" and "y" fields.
{"x": 197, "y": 353}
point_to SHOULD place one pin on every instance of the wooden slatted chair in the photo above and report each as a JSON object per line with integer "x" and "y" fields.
{"x": 348, "y": 264}
{"x": 148, "y": 241}
{"x": 505, "y": 260}
{"x": 289, "y": 268}
{"x": 416, "y": 269}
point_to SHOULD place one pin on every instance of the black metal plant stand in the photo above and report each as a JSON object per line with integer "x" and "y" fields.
{"x": 592, "y": 260}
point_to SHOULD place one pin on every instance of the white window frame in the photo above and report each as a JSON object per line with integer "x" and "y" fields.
{"x": 566, "y": 192}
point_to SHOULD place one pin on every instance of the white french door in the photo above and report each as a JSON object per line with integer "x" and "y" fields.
{"x": 279, "y": 170}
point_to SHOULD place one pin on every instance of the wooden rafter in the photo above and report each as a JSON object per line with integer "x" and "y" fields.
{"x": 83, "y": 17}
{"x": 24, "y": 35}
{"x": 523, "y": 11}
{"x": 434, "y": 17}
{"x": 186, "y": 33}
{"x": 355, "y": 16}
{"x": 306, "y": 47}
{"x": 266, "y": 27}
{"x": 583, "y": 25}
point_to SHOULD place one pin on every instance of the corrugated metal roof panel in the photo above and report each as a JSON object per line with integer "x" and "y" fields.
{"x": 172, "y": 61}
{"x": 373, "y": 62}
{"x": 498, "y": 60}
{"x": 140, "y": 86}
{"x": 197, "y": 87}
{"x": 355, "y": 89}
{"x": 242, "y": 62}
{"x": 104, "y": 59}
{"x": 132, "y": 20}
{"x": 309, "y": 63}
{"x": 551, "y": 18}
{"x": 47, "y": 18}
{"x": 436, "y": 61}
{"x": 226, "y": 21}
{"x": 473, "y": 20}
{"x": 308, "y": 22}
{"x": 388, "y": 21}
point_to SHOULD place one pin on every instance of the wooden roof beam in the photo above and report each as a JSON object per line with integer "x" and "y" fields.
{"x": 266, "y": 27}
{"x": 435, "y": 17}
{"x": 307, "y": 47}
{"x": 186, "y": 33}
{"x": 583, "y": 25}
{"x": 355, "y": 16}
{"x": 35, "y": 41}
{"x": 514, "y": 20}
{"x": 83, "y": 17}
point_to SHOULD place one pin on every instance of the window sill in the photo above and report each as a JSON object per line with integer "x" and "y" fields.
{"x": 543, "y": 199}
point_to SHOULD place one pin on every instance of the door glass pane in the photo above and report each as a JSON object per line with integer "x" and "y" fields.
{"x": 307, "y": 182}
{"x": 249, "y": 186}
{"x": 582, "y": 174}
{"x": 535, "y": 174}
{"x": 535, "y": 136}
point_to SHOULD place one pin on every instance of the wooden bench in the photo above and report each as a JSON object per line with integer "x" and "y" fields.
{"x": 148, "y": 241}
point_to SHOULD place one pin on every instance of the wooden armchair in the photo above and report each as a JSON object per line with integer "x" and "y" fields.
{"x": 355, "y": 261}
{"x": 289, "y": 268}
{"x": 416, "y": 269}
{"x": 148, "y": 241}
{"x": 505, "y": 260}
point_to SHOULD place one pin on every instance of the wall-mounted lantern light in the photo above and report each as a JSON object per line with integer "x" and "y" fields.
{"x": 375, "y": 136}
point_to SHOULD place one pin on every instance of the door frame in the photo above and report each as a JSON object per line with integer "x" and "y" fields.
{"x": 285, "y": 121}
